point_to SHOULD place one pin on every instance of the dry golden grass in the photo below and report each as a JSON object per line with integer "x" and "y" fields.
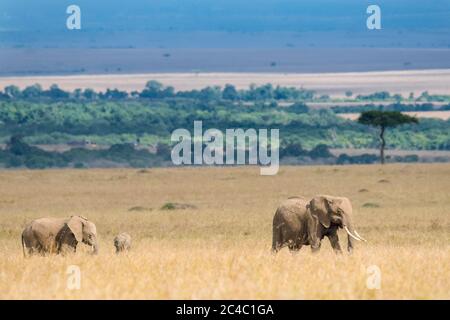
{"x": 222, "y": 248}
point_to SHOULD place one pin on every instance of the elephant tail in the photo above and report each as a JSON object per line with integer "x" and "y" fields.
{"x": 23, "y": 247}
{"x": 276, "y": 238}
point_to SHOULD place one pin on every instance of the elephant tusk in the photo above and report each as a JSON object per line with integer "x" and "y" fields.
{"x": 357, "y": 234}
{"x": 346, "y": 229}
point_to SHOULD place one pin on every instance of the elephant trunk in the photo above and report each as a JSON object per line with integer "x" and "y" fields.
{"x": 349, "y": 241}
{"x": 95, "y": 248}
{"x": 352, "y": 234}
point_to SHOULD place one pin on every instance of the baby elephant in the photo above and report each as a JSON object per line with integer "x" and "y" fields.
{"x": 122, "y": 242}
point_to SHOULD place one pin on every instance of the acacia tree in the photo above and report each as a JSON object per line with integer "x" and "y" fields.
{"x": 383, "y": 120}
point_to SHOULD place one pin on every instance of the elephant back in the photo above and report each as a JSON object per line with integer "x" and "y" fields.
{"x": 295, "y": 205}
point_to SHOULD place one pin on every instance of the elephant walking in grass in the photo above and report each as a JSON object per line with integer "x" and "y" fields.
{"x": 299, "y": 222}
{"x": 54, "y": 235}
{"x": 122, "y": 242}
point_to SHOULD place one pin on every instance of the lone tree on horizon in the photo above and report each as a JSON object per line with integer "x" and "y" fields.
{"x": 383, "y": 120}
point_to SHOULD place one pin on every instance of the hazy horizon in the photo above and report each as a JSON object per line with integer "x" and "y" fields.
{"x": 224, "y": 23}
{"x": 221, "y": 36}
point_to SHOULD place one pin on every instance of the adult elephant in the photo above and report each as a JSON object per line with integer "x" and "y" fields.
{"x": 53, "y": 235}
{"x": 299, "y": 222}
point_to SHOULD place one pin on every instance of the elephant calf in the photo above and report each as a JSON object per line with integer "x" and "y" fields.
{"x": 52, "y": 235}
{"x": 122, "y": 242}
{"x": 299, "y": 222}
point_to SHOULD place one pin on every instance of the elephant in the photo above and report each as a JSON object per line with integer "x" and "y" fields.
{"x": 53, "y": 235}
{"x": 122, "y": 242}
{"x": 299, "y": 222}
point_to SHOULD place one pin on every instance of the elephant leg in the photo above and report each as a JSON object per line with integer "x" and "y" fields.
{"x": 297, "y": 248}
{"x": 315, "y": 247}
{"x": 59, "y": 249}
{"x": 316, "y": 242}
{"x": 38, "y": 248}
{"x": 65, "y": 249}
{"x": 314, "y": 233}
{"x": 276, "y": 246}
{"x": 294, "y": 248}
{"x": 42, "y": 250}
{"x": 334, "y": 240}
{"x": 296, "y": 245}
{"x": 31, "y": 251}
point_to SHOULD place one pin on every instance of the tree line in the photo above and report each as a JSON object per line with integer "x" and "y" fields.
{"x": 117, "y": 124}
{"x": 19, "y": 154}
{"x": 150, "y": 122}
{"x": 156, "y": 90}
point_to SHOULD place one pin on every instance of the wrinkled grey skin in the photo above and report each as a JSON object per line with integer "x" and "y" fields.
{"x": 299, "y": 222}
{"x": 292, "y": 225}
{"x": 122, "y": 242}
{"x": 55, "y": 235}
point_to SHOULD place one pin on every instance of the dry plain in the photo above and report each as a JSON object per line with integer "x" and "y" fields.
{"x": 221, "y": 248}
{"x": 443, "y": 115}
{"x": 335, "y": 84}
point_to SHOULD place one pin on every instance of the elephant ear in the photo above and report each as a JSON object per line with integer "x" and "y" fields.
{"x": 319, "y": 208}
{"x": 75, "y": 225}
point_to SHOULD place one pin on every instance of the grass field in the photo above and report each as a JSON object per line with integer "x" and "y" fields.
{"x": 221, "y": 249}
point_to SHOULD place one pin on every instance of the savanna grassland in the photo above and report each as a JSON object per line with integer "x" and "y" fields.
{"x": 221, "y": 248}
